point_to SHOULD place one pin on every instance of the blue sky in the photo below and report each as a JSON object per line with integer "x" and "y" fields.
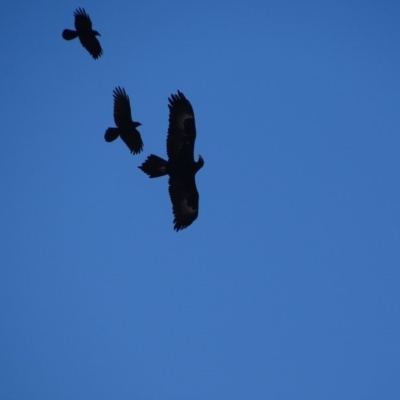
{"x": 287, "y": 284}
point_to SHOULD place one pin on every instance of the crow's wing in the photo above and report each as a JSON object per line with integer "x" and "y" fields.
{"x": 133, "y": 140}
{"x": 122, "y": 108}
{"x": 182, "y": 128}
{"x": 82, "y": 20}
{"x": 185, "y": 200}
{"x": 91, "y": 44}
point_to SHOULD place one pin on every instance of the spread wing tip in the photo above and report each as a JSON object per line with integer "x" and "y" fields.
{"x": 80, "y": 11}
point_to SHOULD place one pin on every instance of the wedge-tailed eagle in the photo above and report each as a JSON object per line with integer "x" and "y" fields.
{"x": 181, "y": 166}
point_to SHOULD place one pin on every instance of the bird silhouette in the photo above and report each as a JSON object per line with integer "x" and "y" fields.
{"x": 86, "y": 34}
{"x": 181, "y": 166}
{"x": 126, "y": 127}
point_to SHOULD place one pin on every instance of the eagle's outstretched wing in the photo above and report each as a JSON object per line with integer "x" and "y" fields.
{"x": 181, "y": 129}
{"x": 185, "y": 200}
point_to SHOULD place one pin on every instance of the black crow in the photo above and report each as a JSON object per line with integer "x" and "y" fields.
{"x": 181, "y": 166}
{"x": 126, "y": 128}
{"x": 86, "y": 34}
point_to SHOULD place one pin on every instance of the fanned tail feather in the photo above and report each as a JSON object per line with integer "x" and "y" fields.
{"x": 69, "y": 34}
{"x": 154, "y": 166}
{"x": 111, "y": 134}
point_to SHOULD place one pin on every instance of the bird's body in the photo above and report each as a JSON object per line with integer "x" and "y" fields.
{"x": 126, "y": 127}
{"x": 87, "y": 36}
{"x": 181, "y": 166}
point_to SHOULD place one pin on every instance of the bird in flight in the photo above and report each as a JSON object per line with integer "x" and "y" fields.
{"x": 181, "y": 166}
{"x": 86, "y": 34}
{"x": 126, "y": 127}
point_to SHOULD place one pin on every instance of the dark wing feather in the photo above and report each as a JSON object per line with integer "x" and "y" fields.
{"x": 82, "y": 20}
{"x": 185, "y": 200}
{"x": 182, "y": 128}
{"x": 133, "y": 140}
{"x": 91, "y": 44}
{"x": 122, "y": 108}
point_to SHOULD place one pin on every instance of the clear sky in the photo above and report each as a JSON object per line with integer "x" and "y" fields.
{"x": 286, "y": 287}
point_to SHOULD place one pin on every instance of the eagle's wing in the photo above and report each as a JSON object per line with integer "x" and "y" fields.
{"x": 185, "y": 200}
{"x": 122, "y": 108}
{"x": 182, "y": 128}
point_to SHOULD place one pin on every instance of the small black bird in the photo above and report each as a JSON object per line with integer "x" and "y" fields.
{"x": 181, "y": 166}
{"x": 126, "y": 128}
{"x": 86, "y": 34}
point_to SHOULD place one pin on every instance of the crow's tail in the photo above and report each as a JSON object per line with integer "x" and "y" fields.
{"x": 111, "y": 134}
{"x": 154, "y": 166}
{"x": 68, "y": 34}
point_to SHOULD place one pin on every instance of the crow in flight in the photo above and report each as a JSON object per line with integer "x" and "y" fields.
{"x": 126, "y": 128}
{"x": 86, "y": 34}
{"x": 181, "y": 166}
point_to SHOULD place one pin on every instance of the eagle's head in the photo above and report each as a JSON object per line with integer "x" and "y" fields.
{"x": 199, "y": 163}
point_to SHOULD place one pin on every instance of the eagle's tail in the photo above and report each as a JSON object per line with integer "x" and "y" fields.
{"x": 154, "y": 166}
{"x": 111, "y": 134}
{"x": 69, "y": 34}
